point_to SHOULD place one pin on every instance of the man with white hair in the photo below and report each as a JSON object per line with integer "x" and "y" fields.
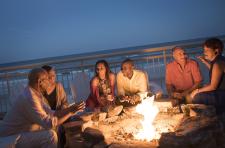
{"x": 182, "y": 76}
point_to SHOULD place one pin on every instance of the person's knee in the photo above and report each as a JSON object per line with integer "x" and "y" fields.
{"x": 200, "y": 98}
{"x": 90, "y": 104}
{"x": 196, "y": 100}
{"x": 188, "y": 99}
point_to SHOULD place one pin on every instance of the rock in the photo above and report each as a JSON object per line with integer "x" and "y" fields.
{"x": 136, "y": 144}
{"x": 163, "y": 105}
{"x": 111, "y": 119}
{"x": 92, "y": 136}
{"x": 174, "y": 110}
{"x": 191, "y": 124}
{"x": 114, "y": 111}
{"x": 102, "y": 116}
{"x": 101, "y": 145}
{"x": 95, "y": 117}
{"x": 87, "y": 116}
{"x": 130, "y": 110}
{"x": 87, "y": 124}
{"x": 75, "y": 141}
{"x": 73, "y": 126}
{"x": 199, "y": 110}
{"x": 195, "y": 131}
{"x": 192, "y": 113}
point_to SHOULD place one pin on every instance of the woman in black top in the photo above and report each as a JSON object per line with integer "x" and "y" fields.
{"x": 214, "y": 92}
{"x": 55, "y": 94}
{"x": 56, "y": 99}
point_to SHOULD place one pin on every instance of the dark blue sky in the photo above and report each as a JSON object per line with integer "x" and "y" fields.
{"x": 32, "y": 29}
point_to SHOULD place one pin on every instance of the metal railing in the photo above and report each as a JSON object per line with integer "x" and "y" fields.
{"x": 80, "y": 67}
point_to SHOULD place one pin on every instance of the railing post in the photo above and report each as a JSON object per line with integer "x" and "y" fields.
{"x": 165, "y": 62}
{"x": 81, "y": 65}
{"x": 8, "y": 90}
{"x": 164, "y": 57}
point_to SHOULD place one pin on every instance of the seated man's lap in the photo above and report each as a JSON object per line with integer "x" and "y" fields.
{"x": 38, "y": 139}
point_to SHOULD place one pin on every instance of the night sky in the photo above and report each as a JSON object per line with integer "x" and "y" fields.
{"x": 32, "y": 29}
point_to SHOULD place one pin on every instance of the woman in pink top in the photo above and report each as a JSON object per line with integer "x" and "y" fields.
{"x": 102, "y": 87}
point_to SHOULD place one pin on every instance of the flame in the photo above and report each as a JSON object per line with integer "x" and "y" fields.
{"x": 149, "y": 111}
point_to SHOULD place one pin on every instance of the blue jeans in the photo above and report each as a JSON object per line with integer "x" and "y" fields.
{"x": 215, "y": 98}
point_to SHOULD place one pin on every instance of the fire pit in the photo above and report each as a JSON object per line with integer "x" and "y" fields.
{"x": 166, "y": 127}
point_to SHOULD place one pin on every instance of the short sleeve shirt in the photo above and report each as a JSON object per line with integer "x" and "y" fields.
{"x": 183, "y": 79}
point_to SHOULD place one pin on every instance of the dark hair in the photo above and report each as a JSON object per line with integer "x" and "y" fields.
{"x": 177, "y": 47}
{"x": 47, "y": 68}
{"x": 128, "y": 61}
{"x": 108, "y": 71}
{"x": 34, "y": 75}
{"x": 214, "y": 43}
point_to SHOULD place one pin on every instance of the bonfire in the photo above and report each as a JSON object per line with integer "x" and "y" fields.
{"x": 149, "y": 112}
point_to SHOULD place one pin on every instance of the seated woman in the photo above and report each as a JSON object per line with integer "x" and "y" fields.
{"x": 102, "y": 87}
{"x": 55, "y": 94}
{"x": 56, "y": 98}
{"x": 214, "y": 92}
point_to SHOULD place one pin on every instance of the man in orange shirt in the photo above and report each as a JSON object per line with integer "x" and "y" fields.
{"x": 182, "y": 76}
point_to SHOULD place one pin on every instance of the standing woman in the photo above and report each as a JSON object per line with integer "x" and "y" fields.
{"x": 214, "y": 92}
{"x": 55, "y": 94}
{"x": 102, "y": 87}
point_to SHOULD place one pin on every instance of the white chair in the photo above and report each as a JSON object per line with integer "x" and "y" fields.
{"x": 80, "y": 88}
{"x": 15, "y": 91}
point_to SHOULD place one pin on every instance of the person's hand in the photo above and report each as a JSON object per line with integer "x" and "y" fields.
{"x": 124, "y": 99}
{"x": 131, "y": 100}
{"x": 134, "y": 99}
{"x": 110, "y": 98}
{"x": 194, "y": 92}
{"x": 177, "y": 95}
{"x": 102, "y": 100}
{"x": 185, "y": 93}
{"x": 158, "y": 95}
{"x": 202, "y": 59}
{"x": 79, "y": 107}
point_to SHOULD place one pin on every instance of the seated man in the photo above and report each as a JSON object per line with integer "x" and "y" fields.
{"x": 31, "y": 118}
{"x": 182, "y": 76}
{"x": 130, "y": 82}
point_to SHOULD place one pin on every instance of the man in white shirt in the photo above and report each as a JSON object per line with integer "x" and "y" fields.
{"x": 131, "y": 82}
{"x": 32, "y": 119}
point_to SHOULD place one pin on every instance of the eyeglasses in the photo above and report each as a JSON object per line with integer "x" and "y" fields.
{"x": 43, "y": 80}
